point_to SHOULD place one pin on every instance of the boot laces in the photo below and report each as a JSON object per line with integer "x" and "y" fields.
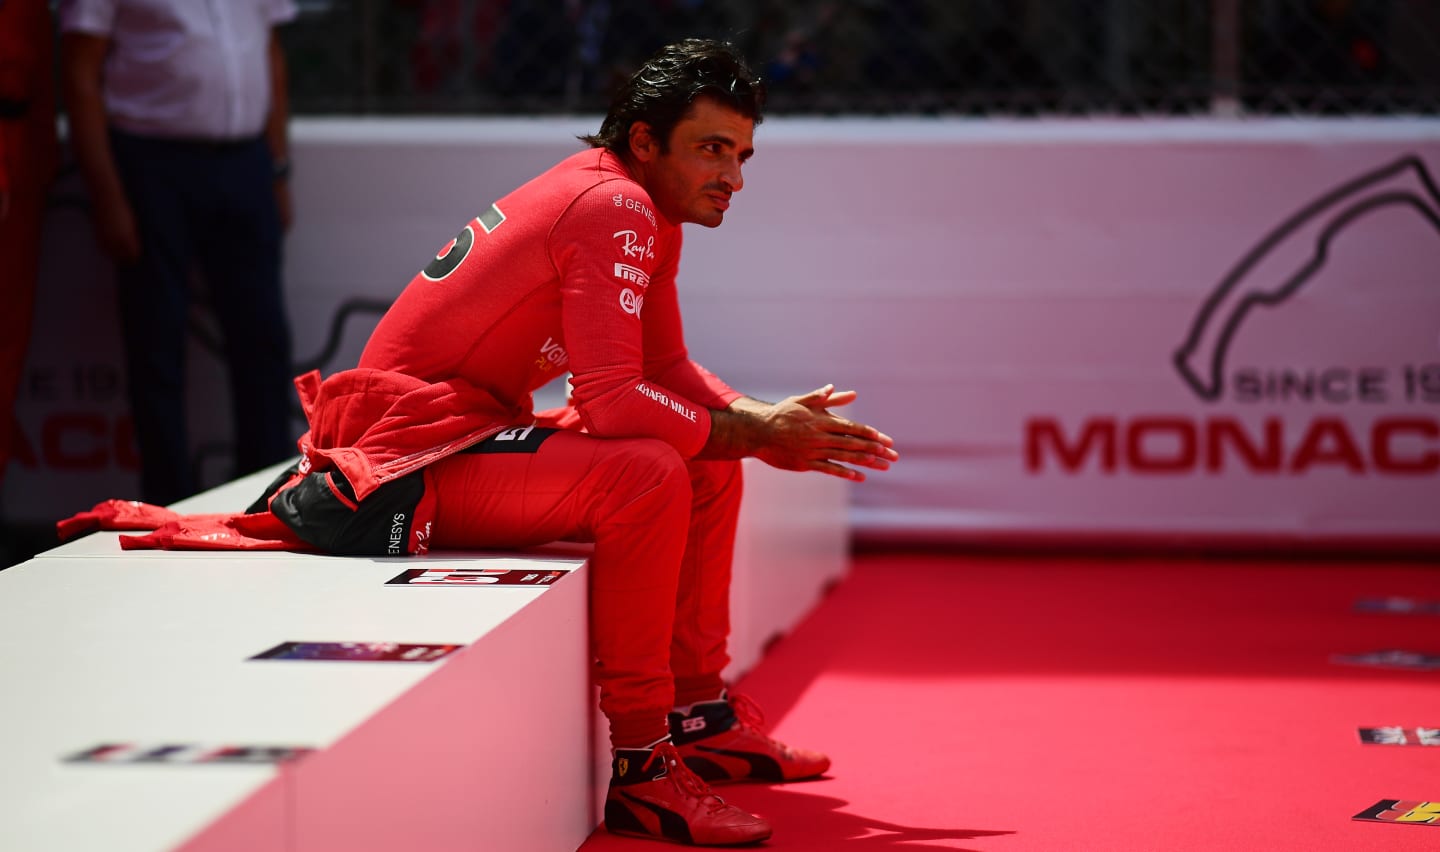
{"x": 749, "y": 714}
{"x": 688, "y": 781}
{"x": 747, "y": 711}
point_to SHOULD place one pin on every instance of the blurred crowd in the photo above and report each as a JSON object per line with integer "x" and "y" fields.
{"x": 874, "y": 55}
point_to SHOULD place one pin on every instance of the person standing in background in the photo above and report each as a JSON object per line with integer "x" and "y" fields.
{"x": 178, "y": 117}
{"x": 29, "y": 157}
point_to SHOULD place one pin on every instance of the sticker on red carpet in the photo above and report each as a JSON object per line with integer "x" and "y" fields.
{"x": 366, "y": 652}
{"x": 1398, "y": 606}
{"x": 1412, "y": 660}
{"x": 1396, "y": 735}
{"x": 182, "y": 753}
{"x": 453, "y": 577}
{"x": 1400, "y": 811}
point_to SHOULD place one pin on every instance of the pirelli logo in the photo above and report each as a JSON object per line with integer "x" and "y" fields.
{"x": 635, "y": 275}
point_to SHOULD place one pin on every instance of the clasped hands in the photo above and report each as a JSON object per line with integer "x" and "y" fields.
{"x": 801, "y": 433}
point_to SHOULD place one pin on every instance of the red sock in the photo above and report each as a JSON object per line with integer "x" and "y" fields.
{"x": 638, "y": 731}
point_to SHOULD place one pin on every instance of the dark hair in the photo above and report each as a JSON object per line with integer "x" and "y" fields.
{"x": 661, "y": 92}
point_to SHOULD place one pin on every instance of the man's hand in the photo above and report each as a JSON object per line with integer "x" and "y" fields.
{"x": 800, "y": 433}
{"x": 116, "y": 230}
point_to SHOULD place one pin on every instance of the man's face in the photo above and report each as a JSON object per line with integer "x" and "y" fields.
{"x": 694, "y": 179}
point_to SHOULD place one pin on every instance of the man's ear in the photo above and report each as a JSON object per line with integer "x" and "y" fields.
{"x": 644, "y": 147}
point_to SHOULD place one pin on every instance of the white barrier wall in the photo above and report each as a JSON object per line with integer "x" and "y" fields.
{"x": 1145, "y": 328}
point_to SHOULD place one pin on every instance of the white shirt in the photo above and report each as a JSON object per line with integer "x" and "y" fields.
{"x": 190, "y": 69}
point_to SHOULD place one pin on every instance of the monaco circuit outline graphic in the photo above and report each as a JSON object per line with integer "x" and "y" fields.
{"x": 1200, "y": 360}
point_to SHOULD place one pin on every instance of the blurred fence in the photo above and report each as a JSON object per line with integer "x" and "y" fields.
{"x": 970, "y": 57}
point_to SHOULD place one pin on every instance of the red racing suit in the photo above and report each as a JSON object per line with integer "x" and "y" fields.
{"x": 574, "y": 270}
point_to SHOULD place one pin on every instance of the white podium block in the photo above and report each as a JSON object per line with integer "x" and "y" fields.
{"x": 497, "y": 745}
{"x": 793, "y": 543}
{"x": 103, "y": 645}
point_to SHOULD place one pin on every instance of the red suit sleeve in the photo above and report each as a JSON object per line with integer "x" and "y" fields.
{"x": 617, "y": 283}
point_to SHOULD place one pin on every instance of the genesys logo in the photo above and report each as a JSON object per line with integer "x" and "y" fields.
{"x": 622, "y": 200}
{"x": 396, "y": 544}
{"x": 1308, "y": 403}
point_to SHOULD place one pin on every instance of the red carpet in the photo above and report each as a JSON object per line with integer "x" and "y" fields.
{"x": 1006, "y": 704}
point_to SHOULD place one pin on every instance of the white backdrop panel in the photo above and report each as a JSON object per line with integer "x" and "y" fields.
{"x": 1008, "y": 298}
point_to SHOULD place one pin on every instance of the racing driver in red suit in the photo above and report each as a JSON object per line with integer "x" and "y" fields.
{"x": 575, "y": 271}
{"x": 433, "y": 441}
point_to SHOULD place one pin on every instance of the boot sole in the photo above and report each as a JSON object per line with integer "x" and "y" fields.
{"x": 661, "y": 837}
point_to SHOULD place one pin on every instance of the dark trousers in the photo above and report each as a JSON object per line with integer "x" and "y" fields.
{"x": 211, "y": 206}
{"x": 20, "y": 234}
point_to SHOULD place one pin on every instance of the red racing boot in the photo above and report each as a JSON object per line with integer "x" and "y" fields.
{"x": 722, "y": 740}
{"x": 653, "y": 795}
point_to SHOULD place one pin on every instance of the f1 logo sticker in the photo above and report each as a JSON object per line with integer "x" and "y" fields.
{"x": 1396, "y": 810}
